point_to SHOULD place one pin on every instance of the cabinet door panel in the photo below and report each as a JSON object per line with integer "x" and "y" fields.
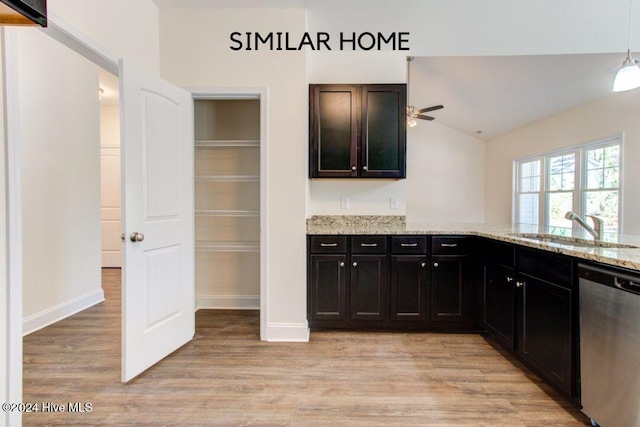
{"x": 383, "y": 131}
{"x": 447, "y": 288}
{"x": 409, "y": 288}
{"x": 369, "y": 287}
{"x": 546, "y": 329}
{"x": 499, "y": 299}
{"x": 334, "y": 130}
{"x": 327, "y": 281}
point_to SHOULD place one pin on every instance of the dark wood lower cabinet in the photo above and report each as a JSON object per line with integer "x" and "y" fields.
{"x": 546, "y": 338}
{"x": 327, "y": 283}
{"x": 499, "y": 303}
{"x": 528, "y": 297}
{"x": 369, "y": 287}
{"x": 448, "y": 283}
{"x": 409, "y": 288}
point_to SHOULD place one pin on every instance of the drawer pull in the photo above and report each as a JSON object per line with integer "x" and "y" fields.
{"x": 328, "y": 245}
{"x": 408, "y": 245}
{"x": 341, "y": 264}
{"x": 368, "y": 245}
{"x": 449, "y": 245}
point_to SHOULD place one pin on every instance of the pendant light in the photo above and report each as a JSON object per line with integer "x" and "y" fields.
{"x": 628, "y": 77}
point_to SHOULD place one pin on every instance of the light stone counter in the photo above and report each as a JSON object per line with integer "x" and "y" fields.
{"x": 397, "y": 225}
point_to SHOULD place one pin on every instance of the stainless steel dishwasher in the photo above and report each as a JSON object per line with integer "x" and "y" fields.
{"x": 610, "y": 345}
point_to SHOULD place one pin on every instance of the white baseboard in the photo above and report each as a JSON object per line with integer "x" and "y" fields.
{"x": 288, "y": 332}
{"x": 228, "y": 302}
{"x": 61, "y": 311}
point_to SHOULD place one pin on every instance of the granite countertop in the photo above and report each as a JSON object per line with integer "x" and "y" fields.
{"x": 628, "y": 257}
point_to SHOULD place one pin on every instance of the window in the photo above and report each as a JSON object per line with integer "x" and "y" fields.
{"x": 584, "y": 179}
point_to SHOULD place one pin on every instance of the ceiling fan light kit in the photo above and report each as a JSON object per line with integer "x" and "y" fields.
{"x": 628, "y": 76}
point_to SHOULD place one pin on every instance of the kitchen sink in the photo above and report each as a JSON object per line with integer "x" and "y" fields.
{"x": 572, "y": 241}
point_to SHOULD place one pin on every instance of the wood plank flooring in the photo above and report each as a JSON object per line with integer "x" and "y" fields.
{"x": 227, "y": 376}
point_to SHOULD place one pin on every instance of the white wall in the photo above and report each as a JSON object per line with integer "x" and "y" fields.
{"x": 445, "y": 175}
{"x": 59, "y": 128}
{"x": 445, "y": 168}
{"x": 612, "y": 115}
{"x": 197, "y": 55}
{"x": 127, "y": 28}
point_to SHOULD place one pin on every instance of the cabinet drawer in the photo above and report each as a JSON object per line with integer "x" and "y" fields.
{"x": 328, "y": 244}
{"x": 449, "y": 245}
{"x": 368, "y": 244}
{"x": 409, "y": 245}
{"x": 552, "y": 268}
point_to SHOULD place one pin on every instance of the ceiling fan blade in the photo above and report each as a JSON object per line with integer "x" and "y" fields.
{"x": 423, "y": 117}
{"x": 426, "y": 110}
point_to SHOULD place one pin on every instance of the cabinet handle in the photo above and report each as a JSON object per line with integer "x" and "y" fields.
{"x": 353, "y": 168}
{"x": 448, "y": 245}
{"x": 509, "y": 279}
{"x": 435, "y": 264}
{"x": 520, "y": 284}
{"x": 368, "y": 245}
{"x": 364, "y": 168}
{"x": 424, "y": 264}
{"x": 328, "y": 245}
{"x": 355, "y": 264}
{"x": 408, "y": 245}
{"x": 341, "y": 264}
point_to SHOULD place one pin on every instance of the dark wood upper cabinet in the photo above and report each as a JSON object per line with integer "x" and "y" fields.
{"x": 357, "y": 131}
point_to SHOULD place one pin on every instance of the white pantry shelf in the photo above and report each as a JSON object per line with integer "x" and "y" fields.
{"x": 221, "y": 143}
{"x": 210, "y": 246}
{"x": 226, "y": 212}
{"x": 227, "y": 178}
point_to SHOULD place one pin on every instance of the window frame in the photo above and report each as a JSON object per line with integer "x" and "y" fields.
{"x": 580, "y": 189}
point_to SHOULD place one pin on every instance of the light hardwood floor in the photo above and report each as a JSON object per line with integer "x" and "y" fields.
{"x": 227, "y": 376}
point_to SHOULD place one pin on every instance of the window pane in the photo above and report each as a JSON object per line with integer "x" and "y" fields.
{"x": 612, "y": 156}
{"x": 528, "y": 209}
{"x": 530, "y": 176}
{"x": 594, "y": 178}
{"x": 611, "y": 178}
{"x": 562, "y": 172}
{"x": 559, "y": 205}
{"x": 595, "y": 158}
{"x": 605, "y": 205}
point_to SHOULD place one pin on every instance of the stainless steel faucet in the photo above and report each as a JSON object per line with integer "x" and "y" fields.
{"x": 596, "y": 231}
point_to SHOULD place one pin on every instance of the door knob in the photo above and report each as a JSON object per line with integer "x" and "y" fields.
{"x": 353, "y": 167}
{"x": 136, "y": 237}
{"x": 435, "y": 264}
{"x": 355, "y": 264}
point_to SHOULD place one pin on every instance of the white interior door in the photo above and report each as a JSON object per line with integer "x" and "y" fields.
{"x": 158, "y": 302}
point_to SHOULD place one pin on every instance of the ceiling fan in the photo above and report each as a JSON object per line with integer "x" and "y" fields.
{"x": 414, "y": 113}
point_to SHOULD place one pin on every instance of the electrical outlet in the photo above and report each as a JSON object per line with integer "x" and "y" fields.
{"x": 393, "y": 202}
{"x": 344, "y": 203}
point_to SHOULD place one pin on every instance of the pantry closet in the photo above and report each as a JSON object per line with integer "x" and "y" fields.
{"x": 227, "y": 203}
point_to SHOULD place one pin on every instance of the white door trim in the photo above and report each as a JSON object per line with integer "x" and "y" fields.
{"x": 261, "y": 93}
{"x": 14, "y": 220}
{"x": 73, "y": 38}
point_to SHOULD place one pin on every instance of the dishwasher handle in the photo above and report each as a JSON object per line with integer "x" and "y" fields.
{"x": 610, "y": 277}
{"x": 627, "y": 284}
